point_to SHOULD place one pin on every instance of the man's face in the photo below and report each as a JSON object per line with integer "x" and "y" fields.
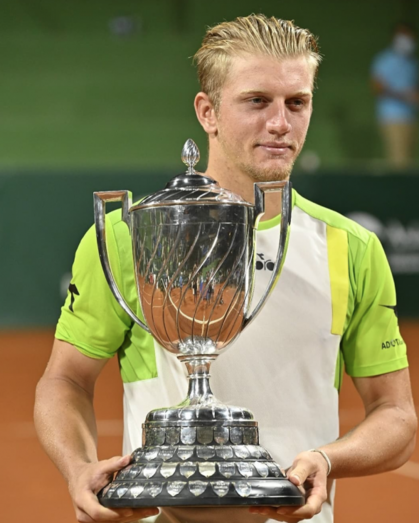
{"x": 264, "y": 115}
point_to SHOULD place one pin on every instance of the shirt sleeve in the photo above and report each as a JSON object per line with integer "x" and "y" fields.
{"x": 91, "y": 318}
{"x": 372, "y": 344}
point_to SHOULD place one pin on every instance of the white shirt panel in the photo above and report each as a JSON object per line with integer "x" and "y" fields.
{"x": 282, "y": 367}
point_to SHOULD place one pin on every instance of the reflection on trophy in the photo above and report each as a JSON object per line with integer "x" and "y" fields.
{"x": 194, "y": 258}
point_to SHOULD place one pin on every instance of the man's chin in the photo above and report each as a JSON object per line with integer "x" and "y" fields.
{"x": 270, "y": 174}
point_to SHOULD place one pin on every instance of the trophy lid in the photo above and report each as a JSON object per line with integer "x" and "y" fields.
{"x": 192, "y": 185}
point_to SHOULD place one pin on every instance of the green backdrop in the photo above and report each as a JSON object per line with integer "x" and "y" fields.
{"x": 73, "y": 94}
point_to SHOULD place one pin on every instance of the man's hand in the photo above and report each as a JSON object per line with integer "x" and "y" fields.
{"x": 309, "y": 472}
{"x": 90, "y": 479}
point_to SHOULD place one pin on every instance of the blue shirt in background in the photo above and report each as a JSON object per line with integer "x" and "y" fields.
{"x": 399, "y": 73}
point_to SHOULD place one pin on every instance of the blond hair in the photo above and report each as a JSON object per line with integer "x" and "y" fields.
{"x": 254, "y": 34}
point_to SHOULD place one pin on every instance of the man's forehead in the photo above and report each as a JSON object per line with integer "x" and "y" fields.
{"x": 253, "y": 73}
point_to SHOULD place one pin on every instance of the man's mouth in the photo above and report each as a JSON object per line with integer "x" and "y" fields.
{"x": 276, "y": 148}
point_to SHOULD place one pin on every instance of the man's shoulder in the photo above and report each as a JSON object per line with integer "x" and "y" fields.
{"x": 115, "y": 217}
{"x": 332, "y": 218}
{"x": 119, "y": 227}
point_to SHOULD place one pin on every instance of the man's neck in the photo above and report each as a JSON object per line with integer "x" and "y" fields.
{"x": 240, "y": 183}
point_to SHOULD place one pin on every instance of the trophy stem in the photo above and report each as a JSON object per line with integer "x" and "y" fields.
{"x": 199, "y": 390}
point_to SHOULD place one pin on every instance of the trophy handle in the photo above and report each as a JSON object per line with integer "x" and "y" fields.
{"x": 100, "y": 199}
{"x": 286, "y": 205}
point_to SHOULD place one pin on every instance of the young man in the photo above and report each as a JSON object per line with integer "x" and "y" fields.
{"x": 334, "y": 304}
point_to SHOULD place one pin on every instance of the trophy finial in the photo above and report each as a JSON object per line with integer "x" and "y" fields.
{"x": 190, "y": 155}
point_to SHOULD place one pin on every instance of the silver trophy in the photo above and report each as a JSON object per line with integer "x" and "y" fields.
{"x": 194, "y": 260}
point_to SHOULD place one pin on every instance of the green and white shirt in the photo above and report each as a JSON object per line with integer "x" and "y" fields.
{"x": 334, "y": 307}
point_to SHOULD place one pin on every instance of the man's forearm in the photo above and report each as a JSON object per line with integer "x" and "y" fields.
{"x": 65, "y": 423}
{"x": 382, "y": 442}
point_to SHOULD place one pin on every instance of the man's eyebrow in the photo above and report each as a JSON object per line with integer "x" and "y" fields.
{"x": 253, "y": 91}
{"x": 301, "y": 94}
{"x": 262, "y": 92}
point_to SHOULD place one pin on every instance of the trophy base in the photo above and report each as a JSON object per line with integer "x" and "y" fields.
{"x": 196, "y": 470}
{"x": 200, "y": 453}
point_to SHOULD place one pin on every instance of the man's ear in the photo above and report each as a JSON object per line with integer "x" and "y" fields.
{"x": 205, "y": 113}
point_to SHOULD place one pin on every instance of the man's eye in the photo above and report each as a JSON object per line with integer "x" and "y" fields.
{"x": 296, "y": 103}
{"x": 257, "y": 100}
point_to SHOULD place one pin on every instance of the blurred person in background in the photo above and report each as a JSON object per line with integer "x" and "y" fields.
{"x": 395, "y": 84}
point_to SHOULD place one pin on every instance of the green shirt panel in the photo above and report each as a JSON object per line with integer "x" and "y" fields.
{"x": 371, "y": 343}
{"x": 95, "y": 323}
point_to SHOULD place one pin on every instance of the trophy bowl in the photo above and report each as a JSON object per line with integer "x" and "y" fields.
{"x": 193, "y": 247}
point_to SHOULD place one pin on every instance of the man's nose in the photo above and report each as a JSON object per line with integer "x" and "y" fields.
{"x": 278, "y": 122}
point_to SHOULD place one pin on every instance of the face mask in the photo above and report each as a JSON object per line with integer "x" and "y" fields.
{"x": 404, "y": 44}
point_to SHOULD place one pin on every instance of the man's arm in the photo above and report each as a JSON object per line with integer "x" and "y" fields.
{"x": 386, "y": 438}
{"x": 383, "y": 441}
{"x": 66, "y": 426}
{"x": 379, "y": 88}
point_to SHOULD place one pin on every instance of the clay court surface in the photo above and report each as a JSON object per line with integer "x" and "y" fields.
{"x": 32, "y": 490}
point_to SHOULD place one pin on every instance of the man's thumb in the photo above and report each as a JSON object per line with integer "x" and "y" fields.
{"x": 116, "y": 463}
{"x": 297, "y": 474}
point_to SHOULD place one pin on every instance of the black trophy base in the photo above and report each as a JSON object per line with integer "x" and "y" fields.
{"x": 201, "y": 466}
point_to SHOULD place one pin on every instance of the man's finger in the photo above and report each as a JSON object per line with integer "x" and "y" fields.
{"x": 90, "y": 506}
{"x": 88, "y": 503}
{"x": 310, "y": 509}
{"x": 140, "y": 513}
{"x": 109, "y": 466}
{"x": 272, "y": 513}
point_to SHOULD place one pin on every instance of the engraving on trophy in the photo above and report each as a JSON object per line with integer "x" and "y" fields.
{"x": 184, "y": 452}
{"x": 153, "y": 489}
{"x": 243, "y": 488}
{"x": 205, "y": 435}
{"x": 151, "y": 454}
{"x": 188, "y": 435}
{"x": 134, "y": 471}
{"x": 175, "y": 487}
{"x": 224, "y": 452}
{"x": 220, "y": 487}
{"x": 221, "y": 435}
{"x": 205, "y": 452}
{"x": 149, "y": 470}
{"x": 236, "y": 435}
{"x": 172, "y": 435}
{"x": 167, "y": 453}
{"x": 241, "y": 452}
{"x": 193, "y": 246}
{"x": 227, "y": 469}
{"x": 136, "y": 490}
{"x": 168, "y": 469}
{"x": 245, "y": 469}
{"x": 188, "y": 469}
{"x": 207, "y": 469}
{"x": 262, "y": 469}
{"x": 197, "y": 487}
{"x": 121, "y": 491}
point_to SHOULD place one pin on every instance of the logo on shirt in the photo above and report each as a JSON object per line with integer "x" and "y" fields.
{"x": 393, "y": 308}
{"x": 74, "y": 292}
{"x": 392, "y": 343}
{"x": 262, "y": 264}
